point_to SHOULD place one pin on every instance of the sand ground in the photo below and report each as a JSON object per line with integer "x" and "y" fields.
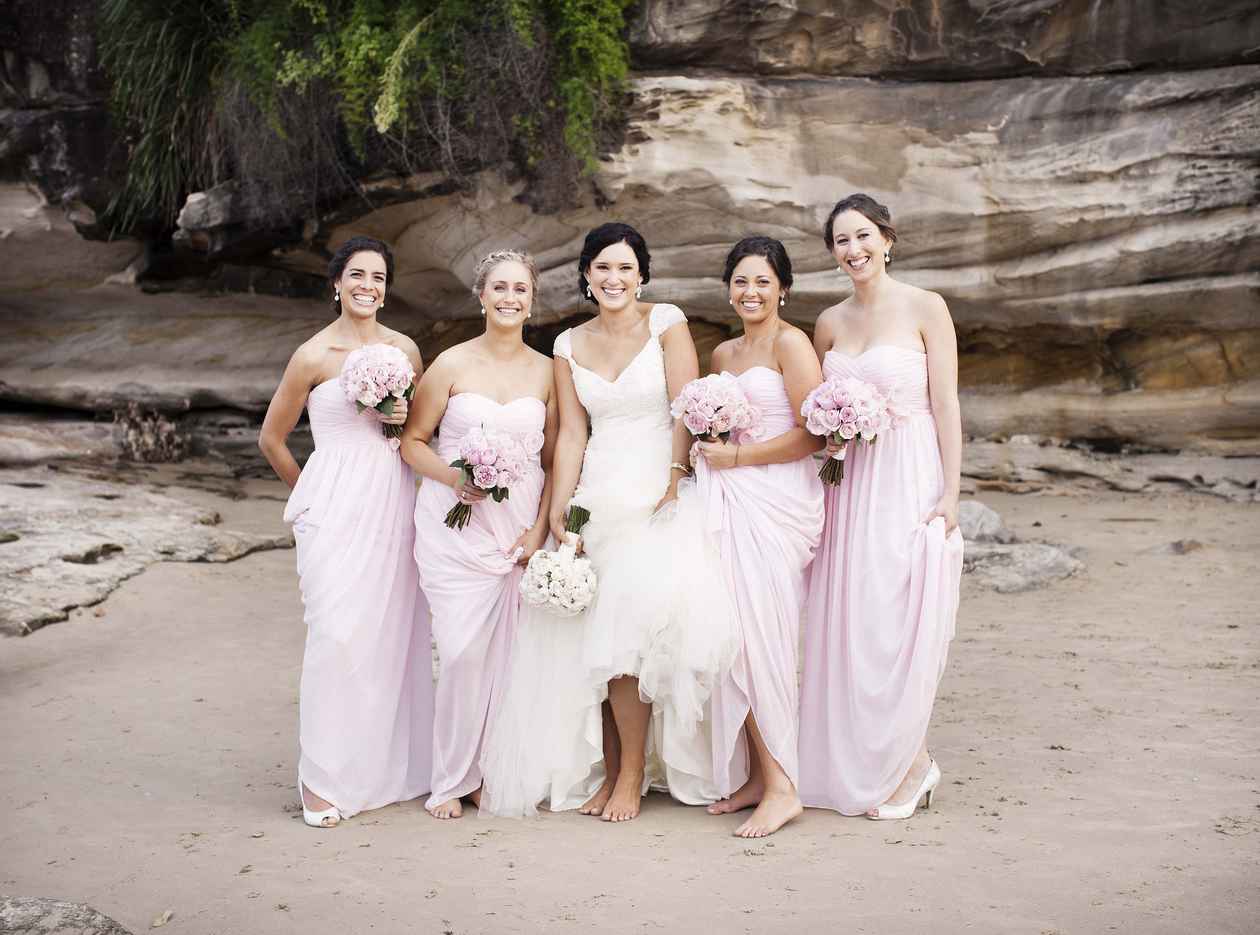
{"x": 1099, "y": 740}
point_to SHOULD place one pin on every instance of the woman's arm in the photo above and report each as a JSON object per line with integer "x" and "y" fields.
{"x": 937, "y": 329}
{"x": 824, "y": 332}
{"x": 532, "y": 539}
{"x": 801, "y": 373}
{"x": 285, "y": 409}
{"x": 570, "y": 445}
{"x": 427, "y": 408}
{"x": 681, "y": 367}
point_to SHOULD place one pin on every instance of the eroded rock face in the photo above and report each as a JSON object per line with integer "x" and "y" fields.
{"x": 1082, "y": 188}
{"x": 957, "y": 39}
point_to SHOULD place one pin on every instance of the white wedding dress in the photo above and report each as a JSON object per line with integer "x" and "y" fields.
{"x": 656, "y": 614}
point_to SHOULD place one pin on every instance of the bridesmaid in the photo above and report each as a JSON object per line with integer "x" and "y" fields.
{"x": 884, "y": 588}
{"x": 366, "y": 707}
{"x": 471, "y": 575}
{"x": 766, "y": 508}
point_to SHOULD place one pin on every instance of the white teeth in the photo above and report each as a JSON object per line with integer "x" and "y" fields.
{"x": 364, "y": 300}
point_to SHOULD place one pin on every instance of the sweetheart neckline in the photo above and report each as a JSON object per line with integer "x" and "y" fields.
{"x": 875, "y": 347}
{"x": 495, "y": 401}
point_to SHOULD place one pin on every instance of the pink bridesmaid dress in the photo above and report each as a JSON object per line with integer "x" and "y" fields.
{"x": 767, "y": 520}
{"x": 366, "y": 699}
{"x": 883, "y": 600}
{"x": 471, "y": 582}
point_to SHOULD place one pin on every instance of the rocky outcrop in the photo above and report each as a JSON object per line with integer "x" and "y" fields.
{"x": 36, "y": 915}
{"x": 994, "y": 559}
{"x": 1080, "y": 181}
{"x": 951, "y": 39}
{"x": 68, "y": 538}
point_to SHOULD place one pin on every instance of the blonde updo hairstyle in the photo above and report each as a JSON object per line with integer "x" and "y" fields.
{"x": 484, "y": 268}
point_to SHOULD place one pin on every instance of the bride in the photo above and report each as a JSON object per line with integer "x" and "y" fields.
{"x": 602, "y": 706}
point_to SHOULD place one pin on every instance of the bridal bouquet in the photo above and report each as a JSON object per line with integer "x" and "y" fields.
{"x": 842, "y": 410}
{"x": 491, "y": 461}
{"x": 714, "y": 406}
{"x": 560, "y": 581}
{"x": 373, "y": 377}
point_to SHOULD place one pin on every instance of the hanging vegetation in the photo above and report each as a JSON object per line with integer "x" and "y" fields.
{"x": 295, "y": 99}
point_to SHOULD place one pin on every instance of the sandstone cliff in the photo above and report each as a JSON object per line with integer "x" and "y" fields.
{"x": 1080, "y": 181}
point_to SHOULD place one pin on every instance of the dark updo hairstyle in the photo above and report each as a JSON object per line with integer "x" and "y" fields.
{"x": 772, "y": 250}
{"x": 337, "y": 265}
{"x": 605, "y": 236}
{"x": 866, "y": 206}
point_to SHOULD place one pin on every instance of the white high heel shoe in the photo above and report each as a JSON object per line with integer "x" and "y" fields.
{"x": 328, "y": 818}
{"x": 906, "y": 809}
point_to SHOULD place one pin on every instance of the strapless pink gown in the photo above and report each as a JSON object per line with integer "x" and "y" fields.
{"x": 367, "y": 684}
{"x": 883, "y": 601}
{"x": 767, "y": 520}
{"x": 472, "y": 586}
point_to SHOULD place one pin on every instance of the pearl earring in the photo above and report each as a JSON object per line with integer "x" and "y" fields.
{"x": 483, "y": 310}
{"x": 588, "y": 290}
{"x": 782, "y": 301}
{"x": 337, "y": 296}
{"x": 638, "y": 291}
{"x": 887, "y": 257}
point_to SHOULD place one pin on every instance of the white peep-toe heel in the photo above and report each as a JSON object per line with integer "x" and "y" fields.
{"x": 906, "y": 809}
{"x": 328, "y": 818}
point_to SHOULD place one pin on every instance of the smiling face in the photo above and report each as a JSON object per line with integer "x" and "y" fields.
{"x": 508, "y": 295}
{"x": 613, "y": 276}
{"x": 858, "y": 246}
{"x": 362, "y": 284}
{"x": 755, "y": 289}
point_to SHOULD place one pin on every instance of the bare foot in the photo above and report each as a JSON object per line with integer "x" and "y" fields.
{"x": 775, "y": 811}
{"x": 746, "y": 796}
{"x": 595, "y": 804}
{"x": 911, "y": 783}
{"x": 451, "y": 808}
{"x": 626, "y": 797}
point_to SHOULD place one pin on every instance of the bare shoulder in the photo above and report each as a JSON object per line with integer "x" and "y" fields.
{"x": 928, "y": 306}
{"x": 310, "y": 354}
{"x": 405, "y": 344}
{"x": 792, "y": 339}
{"x": 833, "y": 315}
{"x": 448, "y": 361}
{"x": 722, "y": 353}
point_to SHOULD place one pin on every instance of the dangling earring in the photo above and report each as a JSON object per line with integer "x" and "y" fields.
{"x": 638, "y": 290}
{"x": 483, "y": 310}
{"x": 382, "y": 305}
{"x": 588, "y": 290}
{"x": 887, "y": 257}
{"x": 782, "y": 301}
{"x": 337, "y": 296}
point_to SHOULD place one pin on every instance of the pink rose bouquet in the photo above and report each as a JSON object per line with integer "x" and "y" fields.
{"x": 373, "y": 377}
{"x": 843, "y": 410}
{"x": 491, "y": 461}
{"x": 714, "y": 406}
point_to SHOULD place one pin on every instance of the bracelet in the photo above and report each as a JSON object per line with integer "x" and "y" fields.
{"x": 680, "y": 467}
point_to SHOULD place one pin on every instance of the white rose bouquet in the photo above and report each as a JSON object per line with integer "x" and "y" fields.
{"x": 560, "y": 581}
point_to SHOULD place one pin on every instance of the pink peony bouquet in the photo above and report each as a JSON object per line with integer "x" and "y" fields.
{"x": 491, "y": 461}
{"x": 373, "y": 377}
{"x": 714, "y": 406}
{"x": 843, "y": 410}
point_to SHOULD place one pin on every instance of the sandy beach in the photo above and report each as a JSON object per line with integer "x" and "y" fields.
{"x": 1099, "y": 741}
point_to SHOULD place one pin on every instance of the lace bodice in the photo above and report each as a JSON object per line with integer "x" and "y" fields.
{"x": 626, "y": 466}
{"x": 638, "y": 398}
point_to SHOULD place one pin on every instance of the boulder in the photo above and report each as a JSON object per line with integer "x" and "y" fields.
{"x": 979, "y": 523}
{"x": 37, "y": 915}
